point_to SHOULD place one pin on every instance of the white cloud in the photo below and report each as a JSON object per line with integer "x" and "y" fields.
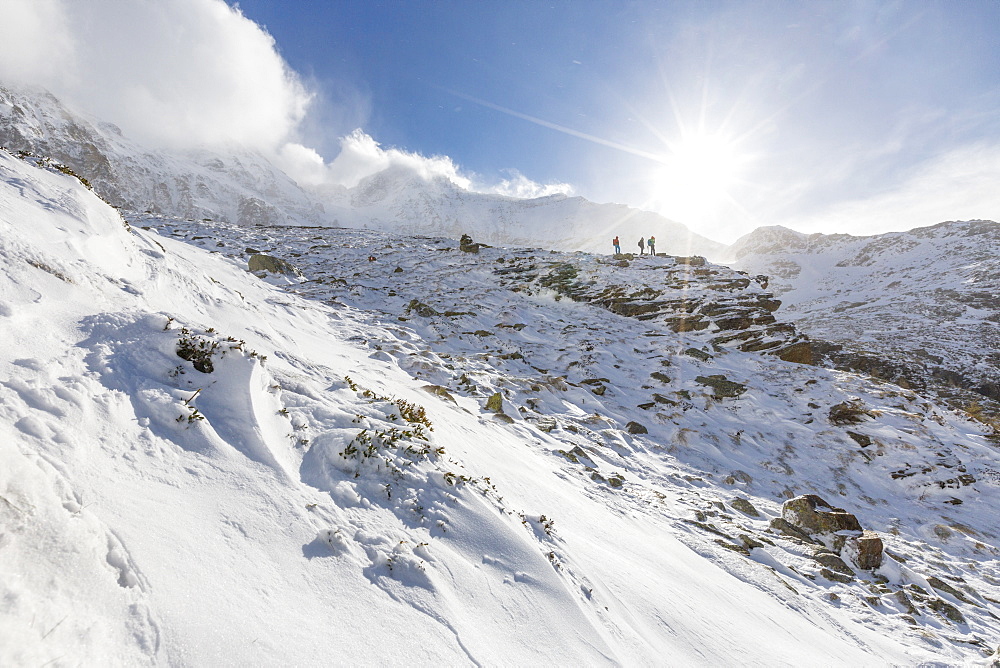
{"x": 960, "y": 184}
{"x": 361, "y": 156}
{"x": 37, "y": 42}
{"x": 171, "y": 72}
{"x": 519, "y": 185}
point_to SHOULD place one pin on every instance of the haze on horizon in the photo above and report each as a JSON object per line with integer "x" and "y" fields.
{"x": 858, "y": 117}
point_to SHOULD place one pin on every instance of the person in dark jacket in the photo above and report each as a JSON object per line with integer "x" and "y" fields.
{"x": 642, "y": 246}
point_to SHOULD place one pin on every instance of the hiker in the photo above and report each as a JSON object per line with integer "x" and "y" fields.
{"x": 652, "y": 245}
{"x": 617, "y": 245}
{"x": 642, "y": 245}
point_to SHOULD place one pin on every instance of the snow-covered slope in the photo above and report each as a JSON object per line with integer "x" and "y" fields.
{"x": 242, "y": 186}
{"x": 445, "y": 457}
{"x": 918, "y": 307}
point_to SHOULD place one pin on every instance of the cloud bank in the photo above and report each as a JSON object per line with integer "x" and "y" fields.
{"x": 174, "y": 73}
{"x": 184, "y": 74}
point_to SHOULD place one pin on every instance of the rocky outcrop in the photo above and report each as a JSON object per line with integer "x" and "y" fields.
{"x": 839, "y": 530}
{"x": 684, "y": 294}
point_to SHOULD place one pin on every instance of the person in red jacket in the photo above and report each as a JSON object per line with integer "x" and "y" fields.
{"x": 617, "y": 245}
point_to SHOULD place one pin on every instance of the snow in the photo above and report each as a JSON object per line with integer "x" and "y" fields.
{"x": 310, "y": 502}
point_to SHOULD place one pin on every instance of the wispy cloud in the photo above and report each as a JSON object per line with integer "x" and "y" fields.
{"x": 960, "y": 184}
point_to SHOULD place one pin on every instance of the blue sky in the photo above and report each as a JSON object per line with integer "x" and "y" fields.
{"x": 840, "y": 116}
{"x": 781, "y": 112}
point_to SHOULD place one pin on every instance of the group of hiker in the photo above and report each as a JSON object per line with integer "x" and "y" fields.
{"x": 643, "y": 244}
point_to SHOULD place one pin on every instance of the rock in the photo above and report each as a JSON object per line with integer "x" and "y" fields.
{"x": 849, "y": 412}
{"x": 860, "y": 439}
{"x": 397, "y": 270}
{"x": 660, "y": 376}
{"x": 836, "y": 577}
{"x": 495, "y": 403}
{"x": 721, "y": 386}
{"x": 271, "y": 265}
{"x": 467, "y": 245}
{"x": 941, "y": 585}
{"x": 905, "y": 602}
{"x": 799, "y": 353}
{"x": 635, "y": 428}
{"x": 575, "y": 454}
{"x": 833, "y": 562}
{"x": 421, "y": 309}
{"x": 440, "y": 391}
{"x": 786, "y": 528}
{"x": 691, "y": 261}
{"x": 698, "y": 354}
{"x": 864, "y": 550}
{"x": 547, "y": 424}
{"x": 814, "y": 516}
{"x": 946, "y": 610}
{"x": 738, "y": 476}
{"x": 745, "y": 507}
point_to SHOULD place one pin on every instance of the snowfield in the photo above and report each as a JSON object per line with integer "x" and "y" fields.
{"x": 502, "y": 457}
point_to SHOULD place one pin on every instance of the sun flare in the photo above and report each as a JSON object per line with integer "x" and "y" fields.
{"x": 697, "y": 175}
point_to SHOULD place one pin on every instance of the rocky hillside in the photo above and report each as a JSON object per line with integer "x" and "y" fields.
{"x": 917, "y": 308}
{"x": 244, "y": 187}
{"x": 648, "y": 382}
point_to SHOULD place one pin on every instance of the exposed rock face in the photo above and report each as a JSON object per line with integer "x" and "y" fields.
{"x": 237, "y": 186}
{"x": 744, "y": 506}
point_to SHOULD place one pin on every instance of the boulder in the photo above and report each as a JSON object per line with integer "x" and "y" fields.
{"x": 467, "y": 245}
{"x": 745, "y": 507}
{"x": 636, "y": 428}
{"x": 421, "y": 309}
{"x": 799, "y": 353}
{"x": 864, "y": 550}
{"x": 270, "y": 264}
{"x": 814, "y": 516}
{"x": 786, "y": 528}
{"x": 721, "y": 386}
{"x": 495, "y": 403}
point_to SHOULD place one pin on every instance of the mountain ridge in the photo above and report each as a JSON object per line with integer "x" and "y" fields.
{"x": 243, "y": 186}
{"x": 917, "y": 308}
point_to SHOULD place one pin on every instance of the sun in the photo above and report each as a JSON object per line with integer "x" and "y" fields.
{"x": 697, "y": 175}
